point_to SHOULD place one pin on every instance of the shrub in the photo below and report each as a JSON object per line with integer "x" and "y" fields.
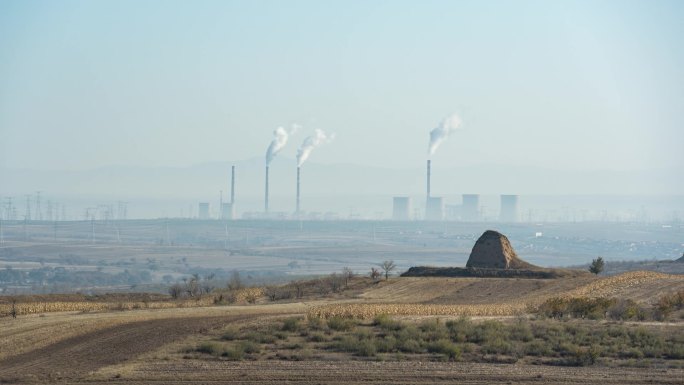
{"x": 674, "y": 351}
{"x": 234, "y": 354}
{"x": 669, "y": 303}
{"x": 290, "y": 324}
{"x": 364, "y": 334}
{"x": 386, "y": 323}
{"x": 230, "y": 334}
{"x": 317, "y": 337}
{"x": 409, "y": 346}
{"x": 459, "y": 329}
{"x": 597, "y": 266}
{"x": 497, "y": 346}
{"x": 580, "y": 307}
{"x": 315, "y": 323}
{"x": 341, "y": 324}
{"x": 446, "y": 348}
{"x": 521, "y": 331}
{"x": 627, "y": 310}
{"x": 631, "y": 353}
{"x": 281, "y": 335}
{"x": 250, "y": 347}
{"x": 365, "y": 348}
{"x": 260, "y": 337}
{"x": 386, "y": 344}
{"x": 212, "y": 348}
{"x": 350, "y": 344}
{"x": 487, "y": 331}
{"x": 537, "y": 348}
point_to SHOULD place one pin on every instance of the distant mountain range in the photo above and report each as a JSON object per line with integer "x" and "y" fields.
{"x": 334, "y": 179}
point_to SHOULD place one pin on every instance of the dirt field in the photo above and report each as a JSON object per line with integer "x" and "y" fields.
{"x": 357, "y": 372}
{"x": 145, "y": 346}
{"x": 640, "y": 286}
{"x": 133, "y": 353}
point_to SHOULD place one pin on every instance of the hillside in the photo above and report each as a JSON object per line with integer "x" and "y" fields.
{"x": 138, "y": 346}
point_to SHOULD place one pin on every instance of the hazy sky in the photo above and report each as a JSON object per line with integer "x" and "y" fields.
{"x": 560, "y": 84}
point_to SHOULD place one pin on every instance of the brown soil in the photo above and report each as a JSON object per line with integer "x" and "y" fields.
{"x": 365, "y": 372}
{"x": 141, "y": 347}
{"x": 77, "y": 356}
{"x": 471, "y": 290}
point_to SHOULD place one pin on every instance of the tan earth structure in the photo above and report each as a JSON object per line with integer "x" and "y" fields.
{"x": 493, "y": 251}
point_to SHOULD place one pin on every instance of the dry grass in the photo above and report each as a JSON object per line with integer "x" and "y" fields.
{"x": 88, "y": 306}
{"x": 504, "y": 301}
{"x": 613, "y": 286}
{"x": 241, "y": 296}
{"x": 369, "y": 311}
{"x": 249, "y": 294}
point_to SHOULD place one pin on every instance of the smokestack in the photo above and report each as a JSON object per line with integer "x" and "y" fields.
{"x": 298, "y": 168}
{"x": 266, "y": 196}
{"x": 428, "y": 178}
{"x": 232, "y": 186}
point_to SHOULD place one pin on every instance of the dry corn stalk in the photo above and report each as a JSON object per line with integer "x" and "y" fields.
{"x": 368, "y": 310}
{"x": 87, "y": 306}
{"x": 249, "y": 294}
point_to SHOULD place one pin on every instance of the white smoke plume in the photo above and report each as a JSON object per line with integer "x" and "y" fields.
{"x": 280, "y": 136}
{"x": 319, "y": 137}
{"x": 439, "y": 134}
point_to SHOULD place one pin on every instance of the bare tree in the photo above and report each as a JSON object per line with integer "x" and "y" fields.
{"x": 348, "y": 274}
{"x": 235, "y": 281}
{"x": 387, "y": 267}
{"x": 374, "y": 273}
{"x": 335, "y": 281}
{"x": 299, "y": 289}
{"x": 14, "y": 308}
{"x": 175, "y": 291}
{"x": 192, "y": 286}
{"x": 208, "y": 285}
{"x": 271, "y": 292}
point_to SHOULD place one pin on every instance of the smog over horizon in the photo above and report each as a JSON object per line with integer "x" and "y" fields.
{"x": 595, "y": 112}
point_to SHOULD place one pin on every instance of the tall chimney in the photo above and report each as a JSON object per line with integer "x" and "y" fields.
{"x": 297, "y": 191}
{"x": 266, "y": 196}
{"x": 232, "y": 186}
{"x": 428, "y": 178}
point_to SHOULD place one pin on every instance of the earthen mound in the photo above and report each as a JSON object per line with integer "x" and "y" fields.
{"x": 493, "y": 251}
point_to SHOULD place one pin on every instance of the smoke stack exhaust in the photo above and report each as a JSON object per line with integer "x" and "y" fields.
{"x": 266, "y": 194}
{"x": 298, "y": 169}
{"x": 428, "y": 178}
{"x": 232, "y": 186}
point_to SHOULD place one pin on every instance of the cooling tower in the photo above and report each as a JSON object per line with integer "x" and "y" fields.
{"x": 227, "y": 211}
{"x": 470, "y": 211}
{"x": 401, "y": 209}
{"x": 509, "y": 208}
{"x": 203, "y": 210}
{"x": 434, "y": 210}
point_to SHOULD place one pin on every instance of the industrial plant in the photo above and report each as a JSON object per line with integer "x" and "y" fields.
{"x": 436, "y": 208}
